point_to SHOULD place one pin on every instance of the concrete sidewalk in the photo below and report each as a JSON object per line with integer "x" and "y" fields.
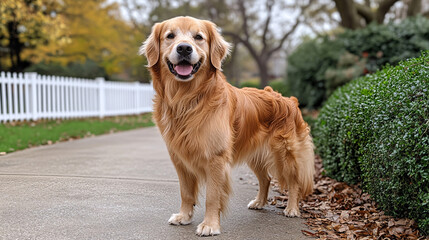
{"x": 117, "y": 186}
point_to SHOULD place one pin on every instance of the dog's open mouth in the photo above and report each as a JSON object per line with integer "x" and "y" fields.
{"x": 183, "y": 69}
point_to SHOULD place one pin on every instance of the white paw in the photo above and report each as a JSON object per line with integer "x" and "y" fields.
{"x": 205, "y": 229}
{"x": 292, "y": 212}
{"x": 180, "y": 219}
{"x": 255, "y": 204}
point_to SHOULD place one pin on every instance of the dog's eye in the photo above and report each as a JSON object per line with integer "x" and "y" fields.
{"x": 198, "y": 37}
{"x": 170, "y": 36}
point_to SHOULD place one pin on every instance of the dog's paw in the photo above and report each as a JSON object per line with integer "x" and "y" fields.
{"x": 180, "y": 219}
{"x": 292, "y": 212}
{"x": 205, "y": 229}
{"x": 255, "y": 204}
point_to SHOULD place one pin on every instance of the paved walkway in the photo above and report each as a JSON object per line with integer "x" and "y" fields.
{"x": 117, "y": 186}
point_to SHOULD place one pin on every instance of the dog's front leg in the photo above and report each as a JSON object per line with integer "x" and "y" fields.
{"x": 217, "y": 194}
{"x": 188, "y": 193}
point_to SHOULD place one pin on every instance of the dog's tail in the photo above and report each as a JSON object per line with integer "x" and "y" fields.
{"x": 296, "y": 162}
{"x": 305, "y": 159}
{"x": 304, "y": 153}
{"x": 293, "y": 145}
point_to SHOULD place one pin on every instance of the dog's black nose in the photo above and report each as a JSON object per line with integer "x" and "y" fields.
{"x": 184, "y": 49}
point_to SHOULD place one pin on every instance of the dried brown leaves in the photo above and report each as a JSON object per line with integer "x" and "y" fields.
{"x": 338, "y": 211}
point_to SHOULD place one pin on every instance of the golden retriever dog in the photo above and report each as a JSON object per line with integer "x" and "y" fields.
{"x": 210, "y": 126}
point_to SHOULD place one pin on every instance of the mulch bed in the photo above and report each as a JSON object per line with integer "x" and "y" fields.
{"x": 336, "y": 210}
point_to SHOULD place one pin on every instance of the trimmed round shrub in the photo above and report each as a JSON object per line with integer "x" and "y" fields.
{"x": 375, "y": 130}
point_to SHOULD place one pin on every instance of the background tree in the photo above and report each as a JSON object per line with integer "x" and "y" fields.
{"x": 107, "y": 34}
{"x": 95, "y": 33}
{"x": 144, "y": 15}
{"x": 257, "y": 33}
{"x": 356, "y": 14}
{"x": 25, "y": 24}
{"x": 243, "y": 23}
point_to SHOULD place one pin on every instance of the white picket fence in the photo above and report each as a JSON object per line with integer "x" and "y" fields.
{"x": 30, "y": 96}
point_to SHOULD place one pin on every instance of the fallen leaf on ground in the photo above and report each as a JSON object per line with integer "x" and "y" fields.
{"x": 336, "y": 210}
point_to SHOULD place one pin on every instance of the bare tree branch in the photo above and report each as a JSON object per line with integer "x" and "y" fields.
{"x": 365, "y": 12}
{"x": 383, "y": 8}
{"x": 368, "y": 3}
{"x": 129, "y": 9}
{"x": 262, "y": 56}
{"x": 318, "y": 32}
{"x": 269, "y": 4}
{"x": 285, "y": 36}
{"x": 288, "y": 33}
{"x": 347, "y": 10}
{"x": 327, "y": 11}
{"x": 244, "y": 17}
{"x": 245, "y": 42}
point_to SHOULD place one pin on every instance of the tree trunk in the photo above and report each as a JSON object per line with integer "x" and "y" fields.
{"x": 231, "y": 68}
{"x": 263, "y": 73}
{"x": 383, "y": 8}
{"x": 365, "y": 12}
{"x": 348, "y": 13}
{"x": 15, "y": 47}
{"x": 414, "y": 8}
{"x": 12, "y": 61}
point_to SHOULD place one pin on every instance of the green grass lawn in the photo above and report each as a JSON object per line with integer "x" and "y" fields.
{"x": 16, "y": 136}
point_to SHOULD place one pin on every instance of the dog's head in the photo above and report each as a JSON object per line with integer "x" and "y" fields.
{"x": 185, "y": 45}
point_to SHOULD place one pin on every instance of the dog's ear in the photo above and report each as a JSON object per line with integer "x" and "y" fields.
{"x": 219, "y": 48}
{"x": 150, "y": 47}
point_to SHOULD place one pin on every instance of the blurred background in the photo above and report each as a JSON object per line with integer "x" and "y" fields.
{"x": 302, "y": 48}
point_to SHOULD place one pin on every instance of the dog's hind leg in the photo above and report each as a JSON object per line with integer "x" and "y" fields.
{"x": 287, "y": 170}
{"x": 259, "y": 167}
{"x": 292, "y": 209}
{"x": 188, "y": 193}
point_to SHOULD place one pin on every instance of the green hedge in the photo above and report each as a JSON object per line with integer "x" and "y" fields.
{"x": 375, "y": 130}
{"x": 317, "y": 67}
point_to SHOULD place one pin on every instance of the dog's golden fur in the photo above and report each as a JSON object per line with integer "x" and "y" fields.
{"x": 209, "y": 126}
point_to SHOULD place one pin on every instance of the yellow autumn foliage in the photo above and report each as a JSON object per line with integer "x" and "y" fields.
{"x": 35, "y": 24}
{"x": 94, "y": 30}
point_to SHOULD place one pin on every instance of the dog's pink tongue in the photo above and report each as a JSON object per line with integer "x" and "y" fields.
{"x": 183, "y": 70}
